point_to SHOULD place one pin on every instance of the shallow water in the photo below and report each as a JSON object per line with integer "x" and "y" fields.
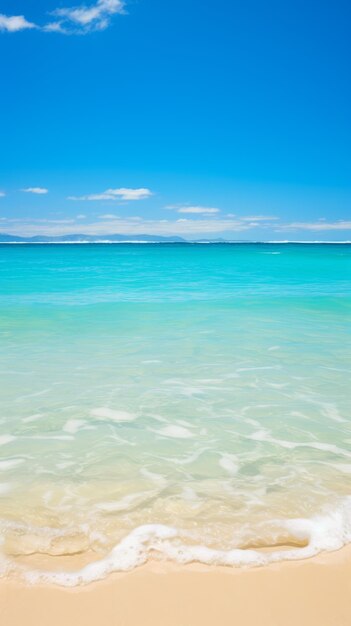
{"x": 176, "y": 401}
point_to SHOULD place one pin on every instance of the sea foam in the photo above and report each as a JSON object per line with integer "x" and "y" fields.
{"x": 326, "y": 532}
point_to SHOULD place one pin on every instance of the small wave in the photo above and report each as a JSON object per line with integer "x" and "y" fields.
{"x": 175, "y": 432}
{"x": 104, "y": 413}
{"x": 72, "y": 426}
{"x": 4, "y": 439}
{"x": 307, "y": 537}
{"x": 8, "y": 464}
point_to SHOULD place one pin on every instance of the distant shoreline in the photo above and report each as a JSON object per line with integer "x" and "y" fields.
{"x": 138, "y": 242}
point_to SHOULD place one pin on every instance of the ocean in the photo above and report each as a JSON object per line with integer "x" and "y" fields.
{"x": 183, "y": 402}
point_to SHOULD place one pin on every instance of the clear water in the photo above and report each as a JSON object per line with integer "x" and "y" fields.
{"x": 188, "y": 402}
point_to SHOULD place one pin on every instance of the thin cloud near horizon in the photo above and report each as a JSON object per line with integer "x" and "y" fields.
{"x": 316, "y": 226}
{"x": 130, "y": 225}
{"x": 109, "y": 224}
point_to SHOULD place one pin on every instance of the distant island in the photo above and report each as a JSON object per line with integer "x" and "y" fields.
{"x": 81, "y": 238}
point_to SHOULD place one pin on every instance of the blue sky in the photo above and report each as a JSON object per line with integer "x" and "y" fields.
{"x": 190, "y": 118}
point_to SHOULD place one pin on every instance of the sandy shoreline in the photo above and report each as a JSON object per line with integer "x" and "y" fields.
{"x": 312, "y": 592}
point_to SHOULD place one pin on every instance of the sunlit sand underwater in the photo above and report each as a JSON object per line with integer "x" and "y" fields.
{"x": 182, "y": 402}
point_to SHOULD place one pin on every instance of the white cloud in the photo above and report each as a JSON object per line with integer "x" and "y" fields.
{"x": 258, "y": 218}
{"x": 14, "y": 23}
{"x": 37, "y": 190}
{"x": 123, "y": 193}
{"x": 79, "y": 19}
{"x": 180, "y": 208}
{"x": 33, "y": 223}
{"x": 55, "y": 27}
{"x": 93, "y": 196}
{"x": 83, "y": 18}
{"x": 109, "y": 216}
{"x": 130, "y": 194}
{"x": 320, "y": 225}
{"x": 2, "y": 194}
{"x": 198, "y": 209}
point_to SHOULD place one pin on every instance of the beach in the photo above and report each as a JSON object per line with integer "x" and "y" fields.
{"x": 312, "y": 592}
{"x": 175, "y": 313}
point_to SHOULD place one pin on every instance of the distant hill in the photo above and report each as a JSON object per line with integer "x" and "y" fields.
{"x": 81, "y": 238}
{"x": 5, "y": 238}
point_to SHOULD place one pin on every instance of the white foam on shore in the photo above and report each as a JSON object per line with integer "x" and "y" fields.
{"x": 326, "y": 532}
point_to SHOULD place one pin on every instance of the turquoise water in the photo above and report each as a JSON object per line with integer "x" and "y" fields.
{"x": 185, "y": 402}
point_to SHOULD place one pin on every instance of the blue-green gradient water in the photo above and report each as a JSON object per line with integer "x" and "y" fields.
{"x": 185, "y": 402}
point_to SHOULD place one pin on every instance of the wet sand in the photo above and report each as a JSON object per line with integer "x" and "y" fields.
{"x": 312, "y": 592}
